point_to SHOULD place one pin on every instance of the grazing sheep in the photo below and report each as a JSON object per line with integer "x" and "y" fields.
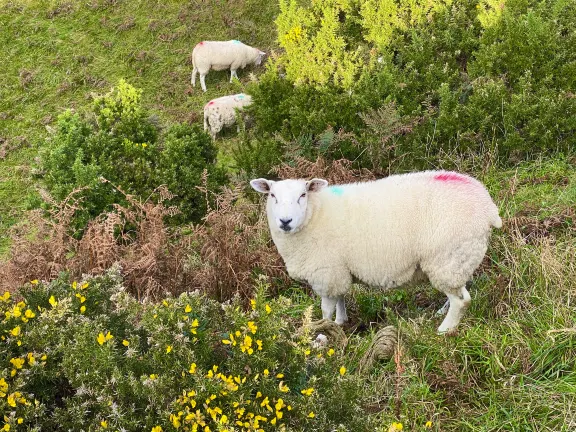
{"x": 433, "y": 224}
{"x": 216, "y": 55}
{"x": 221, "y": 112}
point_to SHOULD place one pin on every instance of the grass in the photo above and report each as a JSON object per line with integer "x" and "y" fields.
{"x": 58, "y": 53}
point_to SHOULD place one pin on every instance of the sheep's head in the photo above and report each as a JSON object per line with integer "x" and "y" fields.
{"x": 287, "y": 201}
{"x": 260, "y": 58}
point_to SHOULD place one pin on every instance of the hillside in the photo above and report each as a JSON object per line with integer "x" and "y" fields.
{"x": 56, "y": 54}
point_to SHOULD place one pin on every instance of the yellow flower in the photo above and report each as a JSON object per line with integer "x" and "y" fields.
{"x": 252, "y": 327}
{"x": 395, "y": 427}
{"x": 330, "y": 352}
{"x": 253, "y": 304}
{"x": 31, "y": 359}
{"x": 74, "y": 285}
{"x": 342, "y": 370}
{"x": 44, "y": 357}
{"x": 153, "y": 376}
{"x": 428, "y": 424}
{"x": 6, "y": 427}
{"x": 168, "y": 349}
{"x": 283, "y": 388}
{"x": 20, "y": 420}
{"x": 17, "y": 362}
{"x": 34, "y": 282}
{"x": 82, "y": 309}
{"x": 194, "y": 325}
{"x": 144, "y": 145}
{"x": 5, "y": 297}
{"x": 104, "y": 424}
{"x": 311, "y": 414}
{"x": 85, "y": 285}
{"x": 11, "y": 400}
{"x": 188, "y": 309}
{"x": 156, "y": 429}
{"x": 52, "y": 301}
{"x": 307, "y": 392}
{"x": 82, "y": 299}
{"x": 280, "y": 375}
{"x": 29, "y": 314}
{"x": 268, "y": 309}
{"x": 15, "y": 331}
{"x": 101, "y": 338}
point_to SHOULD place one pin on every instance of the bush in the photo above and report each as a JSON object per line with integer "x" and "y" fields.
{"x": 119, "y": 141}
{"x": 468, "y": 78}
{"x": 84, "y": 355}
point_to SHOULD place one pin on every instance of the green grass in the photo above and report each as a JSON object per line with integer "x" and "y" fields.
{"x": 56, "y": 54}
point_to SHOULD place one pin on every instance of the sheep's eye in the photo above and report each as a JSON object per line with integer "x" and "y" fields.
{"x": 303, "y": 195}
{"x": 273, "y": 196}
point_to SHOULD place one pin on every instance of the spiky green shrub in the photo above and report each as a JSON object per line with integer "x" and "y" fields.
{"x": 87, "y": 356}
{"x": 120, "y": 141}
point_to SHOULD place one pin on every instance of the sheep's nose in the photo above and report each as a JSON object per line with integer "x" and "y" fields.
{"x": 285, "y": 224}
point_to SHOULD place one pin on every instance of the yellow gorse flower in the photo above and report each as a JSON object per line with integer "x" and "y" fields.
{"x": 34, "y": 282}
{"x": 428, "y": 424}
{"x": 342, "y": 370}
{"x": 188, "y": 309}
{"x": 5, "y": 297}
{"x": 52, "y": 301}
{"x": 168, "y": 349}
{"x": 125, "y": 342}
{"x": 307, "y": 392}
{"x": 104, "y": 424}
{"x": 156, "y": 429}
{"x": 101, "y": 338}
{"x": 15, "y": 331}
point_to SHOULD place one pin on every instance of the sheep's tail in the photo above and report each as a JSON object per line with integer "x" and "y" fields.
{"x": 496, "y": 220}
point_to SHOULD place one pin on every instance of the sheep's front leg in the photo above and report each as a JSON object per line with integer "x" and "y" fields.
{"x": 328, "y": 307}
{"x": 203, "y": 81}
{"x": 341, "y": 316}
{"x": 233, "y": 75}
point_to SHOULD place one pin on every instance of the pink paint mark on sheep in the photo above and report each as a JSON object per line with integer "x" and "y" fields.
{"x": 451, "y": 177}
{"x": 200, "y": 44}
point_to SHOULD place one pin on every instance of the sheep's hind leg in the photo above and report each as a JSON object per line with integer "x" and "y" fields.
{"x": 203, "y": 81}
{"x": 341, "y": 316}
{"x": 328, "y": 307}
{"x": 193, "y": 78}
{"x": 233, "y": 75}
{"x": 459, "y": 302}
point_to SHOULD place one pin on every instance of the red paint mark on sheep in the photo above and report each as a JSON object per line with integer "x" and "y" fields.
{"x": 451, "y": 177}
{"x": 200, "y": 44}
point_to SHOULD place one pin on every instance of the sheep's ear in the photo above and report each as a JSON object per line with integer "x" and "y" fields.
{"x": 261, "y": 185}
{"x": 316, "y": 185}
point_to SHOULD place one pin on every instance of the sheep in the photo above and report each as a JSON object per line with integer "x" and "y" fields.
{"x": 218, "y": 55}
{"x": 388, "y": 232}
{"x": 221, "y": 112}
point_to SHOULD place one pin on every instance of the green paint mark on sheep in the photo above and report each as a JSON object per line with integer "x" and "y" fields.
{"x": 336, "y": 190}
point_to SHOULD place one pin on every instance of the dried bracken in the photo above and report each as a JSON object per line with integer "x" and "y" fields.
{"x": 338, "y": 171}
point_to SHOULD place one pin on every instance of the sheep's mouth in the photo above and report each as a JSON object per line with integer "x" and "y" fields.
{"x": 286, "y": 228}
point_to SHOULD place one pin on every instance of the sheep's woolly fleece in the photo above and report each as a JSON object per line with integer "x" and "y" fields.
{"x": 221, "y": 112}
{"x": 388, "y": 232}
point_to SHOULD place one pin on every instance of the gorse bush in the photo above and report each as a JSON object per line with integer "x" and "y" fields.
{"x": 465, "y": 78}
{"x": 85, "y": 355}
{"x": 121, "y": 142}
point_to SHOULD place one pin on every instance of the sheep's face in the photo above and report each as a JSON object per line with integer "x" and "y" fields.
{"x": 287, "y": 201}
{"x": 260, "y": 58}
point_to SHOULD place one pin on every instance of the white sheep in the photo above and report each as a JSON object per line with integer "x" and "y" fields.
{"x": 388, "y": 232}
{"x": 221, "y": 112}
{"x": 223, "y": 55}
